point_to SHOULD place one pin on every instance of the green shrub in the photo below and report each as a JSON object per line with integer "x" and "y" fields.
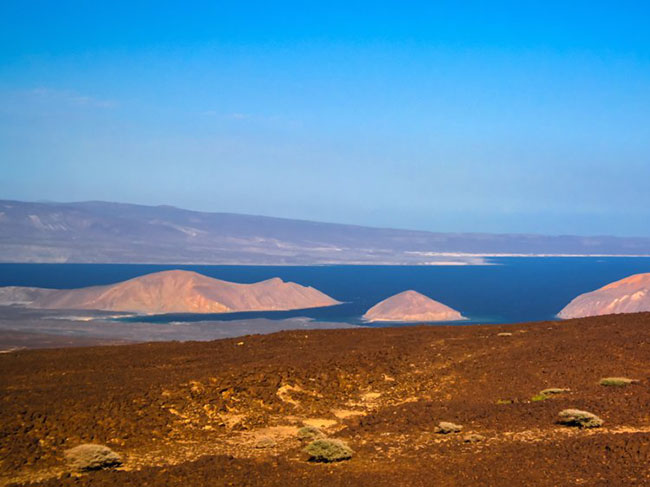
{"x": 92, "y": 457}
{"x": 505, "y": 401}
{"x": 616, "y": 381}
{"x": 328, "y": 450}
{"x": 539, "y": 397}
{"x": 580, "y": 419}
{"x": 310, "y": 433}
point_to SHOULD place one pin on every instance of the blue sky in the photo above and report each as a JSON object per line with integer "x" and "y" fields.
{"x": 490, "y": 117}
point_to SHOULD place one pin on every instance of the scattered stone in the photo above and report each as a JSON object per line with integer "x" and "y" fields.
{"x": 554, "y": 390}
{"x": 444, "y": 428}
{"x": 328, "y": 450}
{"x": 89, "y": 456}
{"x": 310, "y": 433}
{"x": 504, "y": 334}
{"x": 616, "y": 381}
{"x": 265, "y": 442}
{"x": 473, "y": 438}
{"x": 580, "y": 419}
{"x": 547, "y": 393}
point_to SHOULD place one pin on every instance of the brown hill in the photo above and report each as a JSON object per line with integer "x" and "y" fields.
{"x": 629, "y": 295}
{"x": 411, "y": 306}
{"x": 175, "y": 291}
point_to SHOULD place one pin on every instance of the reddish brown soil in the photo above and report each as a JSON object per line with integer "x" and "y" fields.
{"x": 191, "y": 413}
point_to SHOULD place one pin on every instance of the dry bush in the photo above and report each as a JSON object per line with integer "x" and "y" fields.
{"x": 580, "y": 419}
{"x": 310, "y": 433}
{"x": 616, "y": 381}
{"x": 328, "y": 450}
{"x": 547, "y": 393}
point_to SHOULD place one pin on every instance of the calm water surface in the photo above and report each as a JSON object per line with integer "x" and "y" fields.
{"x": 514, "y": 289}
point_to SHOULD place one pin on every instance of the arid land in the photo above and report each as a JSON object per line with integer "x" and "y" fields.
{"x": 22, "y": 328}
{"x": 194, "y": 413}
{"x": 104, "y": 232}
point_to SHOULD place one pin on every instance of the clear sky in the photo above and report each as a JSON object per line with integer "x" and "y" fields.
{"x": 490, "y": 116}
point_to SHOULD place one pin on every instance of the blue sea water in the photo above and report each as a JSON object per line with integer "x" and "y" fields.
{"x": 513, "y": 289}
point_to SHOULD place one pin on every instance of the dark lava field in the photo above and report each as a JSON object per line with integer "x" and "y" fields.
{"x": 196, "y": 413}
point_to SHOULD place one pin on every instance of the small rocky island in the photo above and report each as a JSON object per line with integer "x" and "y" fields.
{"x": 629, "y": 295}
{"x": 175, "y": 291}
{"x": 410, "y": 306}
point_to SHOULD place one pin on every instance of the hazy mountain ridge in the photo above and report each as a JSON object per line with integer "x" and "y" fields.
{"x": 125, "y": 233}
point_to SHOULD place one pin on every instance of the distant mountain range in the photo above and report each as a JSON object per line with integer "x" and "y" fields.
{"x": 123, "y": 233}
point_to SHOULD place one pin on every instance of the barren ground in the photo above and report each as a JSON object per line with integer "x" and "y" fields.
{"x": 191, "y": 413}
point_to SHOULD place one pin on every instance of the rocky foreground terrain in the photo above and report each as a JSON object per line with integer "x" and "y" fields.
{"x": 227, "y": 412}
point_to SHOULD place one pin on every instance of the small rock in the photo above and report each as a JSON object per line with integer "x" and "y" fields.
{"x": 444, "y": 428}
{"x": 265, "y": 442}
{"x": 92, "y": 457}
{"x": 473, "y": 438}
{"x": 553, "y": 390}
{"x": 547, "y": 393}
{"x": 504, "y": 334}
